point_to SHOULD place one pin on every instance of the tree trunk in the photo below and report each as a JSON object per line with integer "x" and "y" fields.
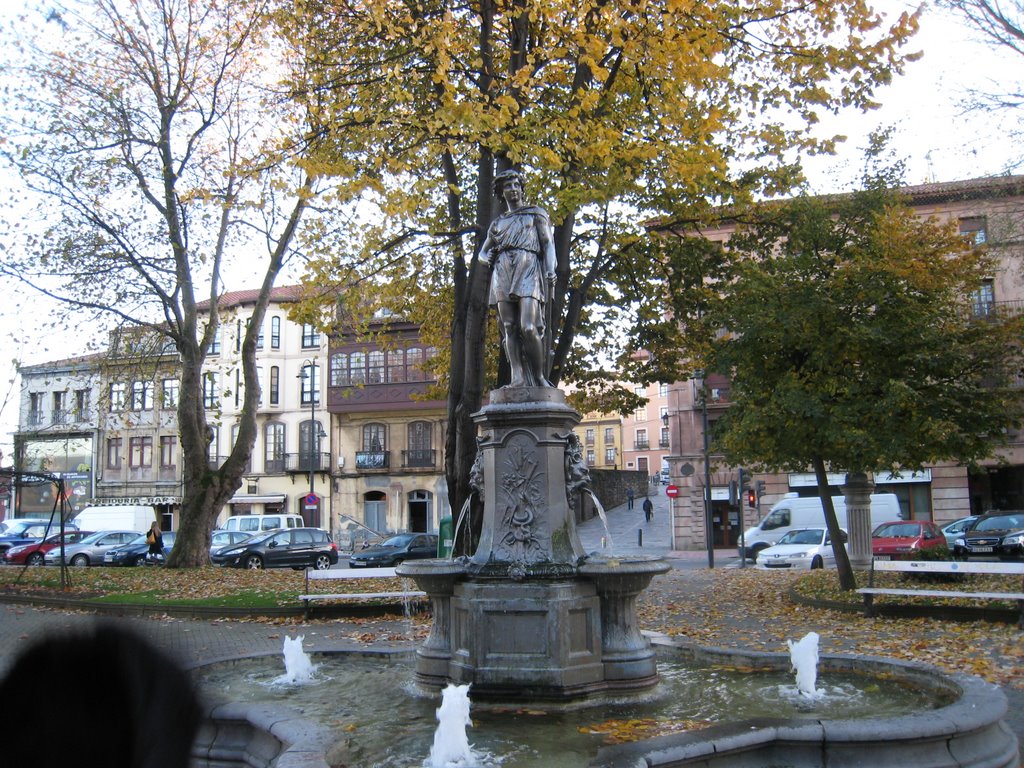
{"x": 847, "y": 580}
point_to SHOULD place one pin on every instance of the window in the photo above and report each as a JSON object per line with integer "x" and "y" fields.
{"x": 419, "y": 439}
{"x": 113, "y": 453}
{"x": 310, "y": 378}
{"x": 609, "y": 435}
{"x": 663, "y": 441}
{"x": 663, "y": 413}
{"x": 168, "y": 451}
{"x": 983, "y": 299}
{"x": 663, "y": 390}
{"x": 396, "y": 366}
{"x": 169, "y": 393}
{"x": 375, "y": 367}
{"x": 259, "y": 335}
{"x": 374, "y": 437}
{"x": 639, "y": 390}
{"x": 211, "y": 389}
{"x": 591, "y": 458}
{"x": 212, "y": 453}
{"x": 81, "y": 404}
{"x": 140, "y": 452}
{"x": 591, "y": 435}
{"x": 641, "y": 414}
{"x": 273, "y": 447}
{"x": 609, "y": 455}
{"x": 141, "y": 397}
{"x": 59, "y": 411}
{"x": 275, "y": 332}
{"x": 238, "y": 387}
{"x": 309, "y": 444}
{"x": 357, "y": 369}
{"x": 35, "y": 408}
{"x": 338, "y": 370}
{"x": 973, "y": 229}
{"x": 275, "y": 385}
{"x": 117, "y": 396}
{"x": 414, "y": 364}
{"x": 310, "y": 336}
{"x": 214, "y": 348}
{"x": 641, "y": 440}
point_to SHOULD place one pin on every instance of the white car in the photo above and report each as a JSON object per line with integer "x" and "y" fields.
{"x": 806, "y": 548}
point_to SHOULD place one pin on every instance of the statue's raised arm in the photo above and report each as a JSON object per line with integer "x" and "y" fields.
{"x": 521, "y": 247}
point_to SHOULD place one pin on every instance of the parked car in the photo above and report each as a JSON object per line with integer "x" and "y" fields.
{"x": 221, "y": 539}
{"x": 283, "y": 548}
{"x": 33, "y": 554}
{"x": 392, "y": 551}
{"x": 90, "y": 550}
{"x": 905, "y": 539}
{"x": 134, "y": 552}
{"x": 954, "y": 530}
{"x": 986, "y": 535}
{"x": 809, "y": 548}
{"x": 30, "y": 531}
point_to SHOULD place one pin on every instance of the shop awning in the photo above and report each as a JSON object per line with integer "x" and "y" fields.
{"x": 271, "y": 498}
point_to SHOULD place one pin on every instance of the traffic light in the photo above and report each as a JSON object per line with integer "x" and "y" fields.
{"x": 751, "y": 497}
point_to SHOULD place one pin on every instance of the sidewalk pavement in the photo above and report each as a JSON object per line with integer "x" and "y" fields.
{"x": 627, "y": 533}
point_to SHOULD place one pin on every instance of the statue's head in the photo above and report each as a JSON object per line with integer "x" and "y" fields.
{"x": 503, "y": 178}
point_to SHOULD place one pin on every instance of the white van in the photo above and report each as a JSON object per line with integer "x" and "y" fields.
{"x": 126, "y": 517}
{"x": 805, "y": 512}
{"x": 254, "y": 523}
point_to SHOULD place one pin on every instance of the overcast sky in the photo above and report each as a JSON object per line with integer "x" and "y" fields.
{"x": 938, "y": 141}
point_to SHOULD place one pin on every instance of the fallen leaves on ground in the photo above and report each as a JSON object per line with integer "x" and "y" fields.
{"x": 622, "y": 731}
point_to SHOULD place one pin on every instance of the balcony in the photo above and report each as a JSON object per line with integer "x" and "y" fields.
{"x": 641, "y": 445}
{"x": 35, "y": 418}
{"x": 307, "y": 462}
{"x": 664, "y": 443}
{"x": 61, "y": 416}
{"x": 419, "y": 459}
{"x": 370, "y": 460}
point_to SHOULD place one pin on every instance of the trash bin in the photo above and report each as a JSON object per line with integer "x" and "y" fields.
{"x": 445, "y": 537}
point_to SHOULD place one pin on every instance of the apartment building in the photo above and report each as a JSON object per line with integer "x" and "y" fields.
{"x": 989, "y": 211}
{"x": 388, "y": 434}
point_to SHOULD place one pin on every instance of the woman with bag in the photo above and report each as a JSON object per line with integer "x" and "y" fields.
{"x": 156, "y": 542}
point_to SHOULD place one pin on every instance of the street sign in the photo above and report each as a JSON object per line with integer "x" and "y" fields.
{"x": 312, "y": 500}
{"x": 671, "y": 491}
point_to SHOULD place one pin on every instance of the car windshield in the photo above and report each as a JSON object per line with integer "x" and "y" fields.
{"x": 140, "y": 539}
{"x": 809, "y": 536}
{"x": 93, "y": 537}
{"x": 897, "y": 531}
{"x": 396, "y": 541}
{"x": 1000, "y": 522}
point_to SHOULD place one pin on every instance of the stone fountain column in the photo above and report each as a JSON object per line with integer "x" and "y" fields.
{"x": 857, "y": 491}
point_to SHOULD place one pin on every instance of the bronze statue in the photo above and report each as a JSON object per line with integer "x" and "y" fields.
{"x": 521, "y": 247}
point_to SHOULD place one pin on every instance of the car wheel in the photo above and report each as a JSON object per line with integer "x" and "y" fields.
{"x": 817, "y": 563}
{"x": 139, "y": 561}
{"x": 322, "y": 562}
{"x": 755, "y": 551}
{"x": 80, "y": 561}
{"x": 254, "y": 563}
{"x": 36, "y": 558}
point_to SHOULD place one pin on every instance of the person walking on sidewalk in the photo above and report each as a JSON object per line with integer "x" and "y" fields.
{"x": 629, "y": 498}
{"x": 648, "y": 509}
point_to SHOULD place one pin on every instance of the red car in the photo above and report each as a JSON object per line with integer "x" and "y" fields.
{"x": 33, "y": 554}
{"x": 905, "y": 538}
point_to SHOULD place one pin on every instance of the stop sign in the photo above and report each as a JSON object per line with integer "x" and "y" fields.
{"x": 671, "y": 491}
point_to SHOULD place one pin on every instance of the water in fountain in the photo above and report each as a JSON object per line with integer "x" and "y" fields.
{"x": 458, "y": 525}
{"x": 298, "y": 668}
{"x": 451, "y": 747}
{"x": 607, "y": 539}
{"x": 803, "y": 655}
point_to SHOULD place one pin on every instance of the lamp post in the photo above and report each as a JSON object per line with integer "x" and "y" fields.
{"x": 309, "y": 371}
{"x": 709, "y": 535}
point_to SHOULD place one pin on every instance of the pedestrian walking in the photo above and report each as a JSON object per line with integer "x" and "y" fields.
{"x": 629, "y": 498}
{"x": 155, "y": 540}
{"x": 648, "y": 509}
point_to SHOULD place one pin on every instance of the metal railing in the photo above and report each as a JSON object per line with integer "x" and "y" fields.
{"x": 373, "y": 459}
{"x": 423, "y": 457}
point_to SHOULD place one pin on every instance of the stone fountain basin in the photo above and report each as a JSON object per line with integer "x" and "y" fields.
{"x": 969, "y": 731}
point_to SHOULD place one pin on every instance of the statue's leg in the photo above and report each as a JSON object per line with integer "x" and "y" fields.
{"x": 510, "y": 339}
{"x": 531, "y": 322}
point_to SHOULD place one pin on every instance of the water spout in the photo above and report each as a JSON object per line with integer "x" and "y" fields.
{"x": 458, "y": 525}
{"x": 803, "y": 655}
{"x": 297, "y": 664}
{"x": 606, "y": 540}
{"x": 451, "y": 747}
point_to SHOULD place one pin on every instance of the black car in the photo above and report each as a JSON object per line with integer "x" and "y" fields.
{"x": 986, "y": 535}
{"x": 135, "y": 551}
{"x": 392, "y": 551}
{"x": 283, "y": 548}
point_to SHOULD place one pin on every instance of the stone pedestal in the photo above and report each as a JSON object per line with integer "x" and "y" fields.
{"x": 528, "y": 526}
{"x": 530, "y": 641}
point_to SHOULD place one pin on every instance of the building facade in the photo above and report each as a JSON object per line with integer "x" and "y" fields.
{"x": 989, "y": 211}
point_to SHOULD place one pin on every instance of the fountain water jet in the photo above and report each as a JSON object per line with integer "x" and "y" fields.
{"x": 803, "y": 655}
{"x": 297, "y": 664}
{"x": 451, "y": 748}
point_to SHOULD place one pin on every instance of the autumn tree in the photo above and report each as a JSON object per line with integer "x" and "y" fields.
{"x": 154, "y": 153}
{"x": 851, "y": 343}
{"x": 618, "y": 111}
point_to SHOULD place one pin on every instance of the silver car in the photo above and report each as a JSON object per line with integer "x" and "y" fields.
{"x": 91, "y": 549}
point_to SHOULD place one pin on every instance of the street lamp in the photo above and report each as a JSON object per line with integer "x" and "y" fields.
{"x": 315, "y": 431}
{"x": 709, "y": 535}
